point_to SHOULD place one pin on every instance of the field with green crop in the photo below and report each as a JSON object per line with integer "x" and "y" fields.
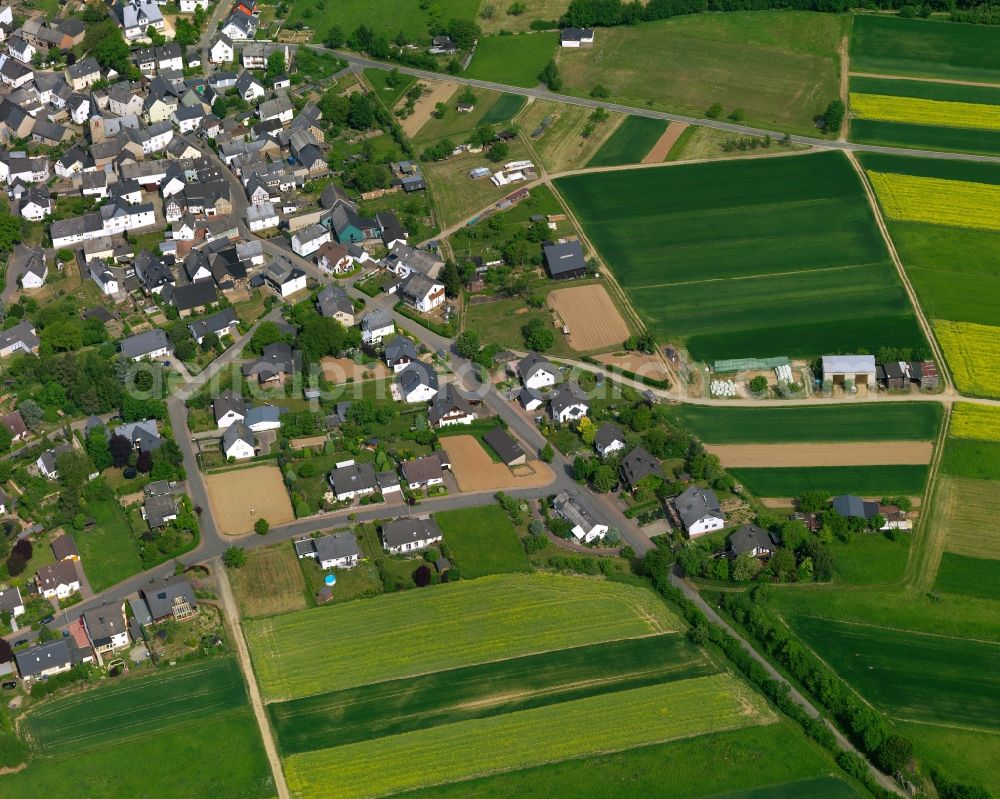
{"x": 959, "y": 574}
{"x": 526, "y": 738}
{"x": 976, "y": 460}
{"x": 504, "y": 109}
{"x": 397, "y": 635}
{"x": 780, "y": 68}
{"x": 629, "y": 144}
{"x": 888, "y": 421}
{"x": 867, "y": 481}
{"x": 186, "y": 730}
{"x": 514, "y": 60}
{"x": 724, "y": 240}
{"x": 482, "y": 541}
{"x": 481, "y": 691}
{"x": 925, "y": 49}
{"x": 910, "y": 675}
{"x": 793, "y": 771}
{"x": 386, "y": 17}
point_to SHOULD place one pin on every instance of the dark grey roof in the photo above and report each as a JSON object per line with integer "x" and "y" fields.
{"x": 417, "y": 374}
{"x": 161, "y": 600}
{"x": 194, "y": 295}
{"x": 565, "y": 258}
{"x": 568, "y": 395}
{"x": 214, "y": 323}
{"x": 227, "y": 401}
{"x": 330, "y": 547}
{"x": 750, "y": 537}
{"x": 400, "y": 348}
{"x": 237, "y": 431}
{"x": 333, "y": 299}
{"x": 532, "y": 363}
{"x": 449, "y": 400}
{"x": 696, "y": 503}
{"x": 63, "y": 547}
{"x": 145, "y": 434}
{"x": 420, "y": 470}
{"x": 639, "y": 464}
{"x": 104, "y": 623}
{"x": 504, "y": 446}
{"x": 33, "y": 661}
{"x": 848, "y": 505}
{"x": 158, "y": 508}
{"x": 607, "y": 434}
{"x": 356, "y": 477}
{"x": 409, "y": 530}
{"x": 10, "y": 598}
{"x": 144, "y": 343}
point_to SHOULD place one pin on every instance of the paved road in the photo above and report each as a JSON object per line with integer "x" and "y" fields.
{"x": 794, "y": 694}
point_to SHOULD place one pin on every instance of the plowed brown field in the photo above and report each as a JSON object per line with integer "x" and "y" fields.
{"x": 883, "y": 453}
{"x": 593, "y": 320}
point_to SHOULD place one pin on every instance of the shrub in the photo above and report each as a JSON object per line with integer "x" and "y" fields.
{"x": 422, "y": 575}
{"x": 234, "y": 557}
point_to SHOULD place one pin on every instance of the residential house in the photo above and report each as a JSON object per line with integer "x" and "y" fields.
{"x": 609, "y": 439}
{"x": 263, "y": 417}
{"x": 442, "y": 45}
{"x": 409, "y": 535}
{"x": 249, "y": 88}
{"x": 417, "y": 382}
{"x": 238, "y": 442}
{"x": 336, "y": 551}
{"x": 279, "y": 108}
{"x": 506, "y": 448}
{"x": 284, "y": 277}
{"x": 11, "y": 602}
{"x": 400, "y": 353}
{"x": 699, "y": 511}
{"x": 309, "y": 239}
{"x": 349, "y": 226}
{"x": 173, "y": 599}
{"x": 352, "y": 480}
{"x": 451, "y": 407}
{"x": 159, "y": 505}
{"x": 403, "y": 260}
{"x": 58, "y": 580}
{"x": 30, "y": 262}
{"x": 64, "y": 548}
{"x": 106, "y": 280}
{"x": 375, "y": 326}
{"x": 334, "y": 258}
{"x": 143, "y": 434}
{"x": 754, "y": 541}
{"x": 276, "y": 363}
{"x": 425, "y": 472}
{"x": 106, "y": 628}
{"x": 421, "y": 292}
{"x": 36, "y": 203}
{"x": 228, "y": 407}
{"x": 568, "y": 403}
{"x": 333, "y": 303}
{"x": 221, "y": 51}
{"x": 576, "y": 37}
{"x": 15, "y": 424}
{"x": 637, "y": 466}
{"x": 536, "y": 372}
{"x": 19, "y": 338}
{"x": 83, "y": 74}
{"x": 44, "y": 660}
{"x": 261, "y": 216}
{"x": 136, "y": 16}
{"x": 193, "y": 298}
{"x": 564, "y": 260}
{"x": 46, "y": 462}
{"x": 223, "y": 323}
{"x": 240, "y": 27}
{"x": 586, "y": 528}
{"x": 151, "y": 345}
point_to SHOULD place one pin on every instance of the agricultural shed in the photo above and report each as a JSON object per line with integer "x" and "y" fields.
{"x": 564, "y": 260}
{"x": 744, "y": 364}
{"x": 840, "y": 368}
{"x": 848, "y": 505}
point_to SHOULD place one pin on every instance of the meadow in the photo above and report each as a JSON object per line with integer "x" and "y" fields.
{"x": 870, "y": 559}
{"x": 386, "y": 17}
{"x": 629, "y": 144}
{"x": 780, "y": 67}
{"x": 957, "y": 203}
{"x": 973, "y": 353}
{"x": 108, "y": 550}
{"x": 888, "y": 421}
{"x": 925, "y": 49}
{"x": 976, "y": 460}
{"x": 482, "y": 541}
{"x": 454, "y": 125}
{"x": 794, "y": 766}
{"x": 492, "y": 618}
{"x": 966, "y": 511}
{"x": 481, "y": 691}
{"x": 514, "y": 60}
{"x": 867, "y": 481}
{"x": 560, "y": 127}
{"x": 613, "y": 721}
{"x": 269, "y": 582}
{"x": 912, "y": 676}
{"x": 962, "y": 755}
{"x": 749, "y": 258}
{"x": 960, "y": 574}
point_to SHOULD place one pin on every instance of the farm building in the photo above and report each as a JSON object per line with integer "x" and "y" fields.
{"x": 576, "y": 37}
{"x": 894, "y": 374}
{"x": 850, "y": 506}
{"x": 409, "y": 535}
{"x": 337, "y": 551}
{"x": 838, "y": 369}
{"x": 585, "y": 527}
{"x": 753, "y": 540}
{"x": 924, "y": 374}
{"x": 699, "y": 511}
{"x": 505, "y": 446}
{"x": 565, "y": 260}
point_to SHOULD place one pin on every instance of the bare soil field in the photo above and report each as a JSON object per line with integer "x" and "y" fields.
{"x": 339, "y": 370}
{"x": 638, "y": 362}
{"x": 475, "y": 470}
{"x": 662, "y": 147}
{"x": 884, "y": 453}
{"x": 592, "y": 318}
{"x": 308, "y": 441}
{"x": 270, "y": 582}
{"x": 240, "y": 497}
{"x": 440, "y": 92}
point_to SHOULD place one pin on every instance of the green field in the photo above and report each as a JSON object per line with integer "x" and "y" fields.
{"x": 526, "y": 738}
{"x": 725, "y": 240}
{"x": 912, "y": 676}
{"x": 927, "y": 90}
{"x": 186, "y": 730}
{"x": 481, "y": 691}
{"x": 694, "y": 773}
{"x": 107, "y": 550}
{"x": 867, "y": 481}
{"x": 946, "y": 169}
{"x": 968, "y": 756}
{"x": 514, "y": 60}
{"x": 387, "y": 17}
{"x": 925, "y": 49}
{"x": 887, "y": 421}
{"x": 482, "y": 541}
{"x": 780, "y": 67}
{"x": 870, "y": 559}
{"x": 924, "y": 137}
{"x": 456, "y": 126}
{"x": 959, "y": 574}
{"x": 629, "y": 144}
{"x": 492, "y": 618}
{"x": 976, "y": 460}
{"x": 504, "y": 109}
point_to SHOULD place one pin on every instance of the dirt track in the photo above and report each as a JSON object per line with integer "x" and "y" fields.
{"x": 592, "y": 318}
{"x": 475, "y": 470}
{"x": 638, "y": 362}
{"x": 882, "y": 453}
{"x": 241, "y": 497}
{"x": 662, "y": 147}
{"x": 440, "y": 92}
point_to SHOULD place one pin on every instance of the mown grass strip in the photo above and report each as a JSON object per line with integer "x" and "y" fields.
{"x": 610, "y": 722}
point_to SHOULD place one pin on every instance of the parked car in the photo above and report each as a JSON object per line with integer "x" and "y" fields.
{"x": 10, "y": 685}
{"x": 47, "y": 619}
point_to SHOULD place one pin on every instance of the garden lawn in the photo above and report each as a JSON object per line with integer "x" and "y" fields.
{"x": 629, "y": 144}
{"x": 492, "y": 618}
{"x": 793, "y": 766}
{"x": 868, "y": 481}
{"x": 959, "y": 574}
{"x": 388, "y": 94}
{"x": 269, "y": 582}
{"x": 514, "y": 60}
{"x": 925, "y": 48}
{"x": 482, "y": 541}
{"x": 614, "y": 721}
{"x": 108, "y": 553}
{"x": 490, "y": 689}
{"x": 888, "y": 421}
{"x": 912, "y": 676}
{"x": 724, "y": 241}
{"x": 780, "y": 67}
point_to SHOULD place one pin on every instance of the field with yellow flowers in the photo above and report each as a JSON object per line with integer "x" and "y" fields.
{"x": 973, "y": 352}
{"x": 959, "y": 203}
{"x": 978, "y": 422}
{"x": 918, "y": 110}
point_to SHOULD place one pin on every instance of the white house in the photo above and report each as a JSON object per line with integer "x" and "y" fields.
{"x": 44, "y": 660}
{"x": 585, "y": 527}
{"x": 190, "y": 6}
{"x": 376, "y": 325}
{"x": 31, "y": 261}
{"x": 11, "y": 602}
{"x": 263, "y": 417}
{"x": 136, "y": 16}
{"x": 36, "y": 204}
{"x": 451, "y": 407}
{"x": 609, "y": 439}
{"x": 103, "y": 277}
{"x": 58, "y": 580}
{"x": 228, "y": 408}
{"x": 337, "y": 551}
{"x": 238, "y": 442}
{"x": 261, "y": 216}
{"x": 400, "y": 353}
{"x": 152, "y": 344}
{"x": 106, "y": 628}
{"x": 306, "y": 241}
{"x": 536, "y": 372}
{"x": 417, "y": 383}
{"x": 421, "y": 292}
{"x": 350, "y": 480}
{"x": 284, "y": 277}
{"x": 409, "y": 535}
{"x": 576, "y": 37}
{"x": 699, "y": 510}
{"x": 568, "y": 403}
{"x": 221, "y": 51}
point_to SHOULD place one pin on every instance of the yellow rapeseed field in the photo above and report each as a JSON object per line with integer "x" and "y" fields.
{"x": 608, "y": 722}
{"x": 973, "y": 352}
{"x": 979, "y": 422}
{"x": 890, "y": 108}
{"x": 958, "y": 203}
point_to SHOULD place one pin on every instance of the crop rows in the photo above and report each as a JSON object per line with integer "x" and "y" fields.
{"x": 979, "y": 422}
{"x": 973, "y": 353}
{"x": 448, "y": 626}
{"x": 892, "y": 108}
{"x": 938, "y": 202}
{"x": 609, "y": 722}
